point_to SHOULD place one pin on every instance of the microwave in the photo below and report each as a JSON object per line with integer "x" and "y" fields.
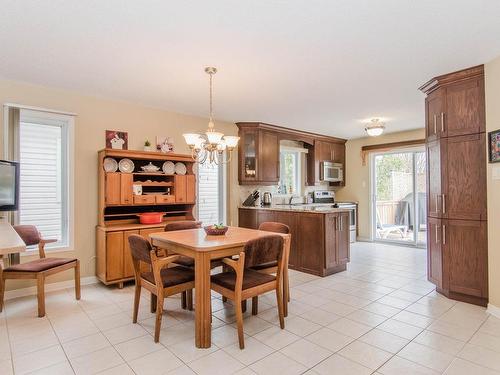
{"x": 331, "y": 172}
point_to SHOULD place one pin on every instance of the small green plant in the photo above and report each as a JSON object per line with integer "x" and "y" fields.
{"x": 147, "y": 143}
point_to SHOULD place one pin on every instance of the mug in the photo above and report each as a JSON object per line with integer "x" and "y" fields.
{"x": 137, "y": 189}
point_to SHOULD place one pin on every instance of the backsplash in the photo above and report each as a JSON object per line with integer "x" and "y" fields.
{"x": 246, "y": 190}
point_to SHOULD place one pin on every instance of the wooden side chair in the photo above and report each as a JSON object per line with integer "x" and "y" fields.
{"x": 161, "y": 281}
{"x": 272, "y": 267}
{"x": 242, "y": 282}
{"x": 40, "y": 268}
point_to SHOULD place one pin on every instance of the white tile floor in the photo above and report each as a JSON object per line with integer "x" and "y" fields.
{"x": 381, "y": 316}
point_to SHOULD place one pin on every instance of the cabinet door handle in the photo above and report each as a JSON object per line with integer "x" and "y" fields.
{"x": 437, "y": 231}
{"x": 437, "y": 205}
{"x": 435, "y": 124}
{"x": 443, "y": 201}
{"x": 442, "y": 122}
{"x": 333, "y": 155}
{"x": 444, "y": 234}
{"x": 341, "y": 223}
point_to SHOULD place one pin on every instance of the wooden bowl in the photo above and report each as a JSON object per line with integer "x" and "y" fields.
{"x": 215, "y": 232}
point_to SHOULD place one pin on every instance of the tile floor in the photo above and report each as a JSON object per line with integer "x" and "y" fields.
{"x": 381, "y": 316}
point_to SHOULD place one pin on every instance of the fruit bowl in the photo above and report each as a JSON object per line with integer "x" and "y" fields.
{"x": 216, "y": 230}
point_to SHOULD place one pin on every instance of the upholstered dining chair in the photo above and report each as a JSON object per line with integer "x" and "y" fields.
{"x": 40, "y": 268}
{"x": 271, "y": 226}
{"x": 162, "y": 281}
{"x": 243, "y": 282}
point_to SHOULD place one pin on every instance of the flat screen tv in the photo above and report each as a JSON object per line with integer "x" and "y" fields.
{"x": 9, "y": 185}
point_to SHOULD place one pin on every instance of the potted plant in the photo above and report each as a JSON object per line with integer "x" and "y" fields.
{"x": 147, "y": 145}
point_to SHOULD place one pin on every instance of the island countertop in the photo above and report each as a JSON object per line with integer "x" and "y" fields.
{"x": 309, "y": 208}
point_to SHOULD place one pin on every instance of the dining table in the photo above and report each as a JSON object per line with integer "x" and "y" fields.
{"x": 10, "y": 242}
{"x": 203, "y": 248}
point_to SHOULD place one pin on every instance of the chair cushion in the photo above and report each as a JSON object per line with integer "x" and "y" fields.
{"x": 250, "y": 279}
{"x": 171, "y": 276}
{"x": 39, "y": 265}
{"x": 264, "y": 266}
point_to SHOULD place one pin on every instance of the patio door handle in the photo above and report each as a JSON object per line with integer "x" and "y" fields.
{"x": 444, "y": 235}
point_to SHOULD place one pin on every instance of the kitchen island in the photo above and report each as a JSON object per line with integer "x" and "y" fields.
{"x": 320, "y": 235}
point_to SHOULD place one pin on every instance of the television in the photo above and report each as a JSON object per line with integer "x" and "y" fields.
{"x": 9, "y": 185}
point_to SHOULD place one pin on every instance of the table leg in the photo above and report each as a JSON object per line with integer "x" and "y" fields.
{"x": 286, "y": 281}
{"x": 203, "y": 324}
{"x": 2, "y": 286}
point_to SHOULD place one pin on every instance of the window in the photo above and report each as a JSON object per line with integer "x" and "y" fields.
{"x": 211, "y": 193}
{"x": 45, "y": 175}
{"x": 290, "y": 172}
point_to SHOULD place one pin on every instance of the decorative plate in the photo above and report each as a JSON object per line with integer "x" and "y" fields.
{"x": 110, "y": 165}
{"x": 180, "y": 168}
{"x": 168, "y": 167}
{"x": 126, "y": 166}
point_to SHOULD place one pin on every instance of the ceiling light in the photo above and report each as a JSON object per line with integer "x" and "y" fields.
{"x": 211, "y": 145}
{"x": 375, "y": 128}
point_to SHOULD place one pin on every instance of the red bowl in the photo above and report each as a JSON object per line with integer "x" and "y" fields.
{"x": 215, "y": 232}
{"x": 151, "y": 217}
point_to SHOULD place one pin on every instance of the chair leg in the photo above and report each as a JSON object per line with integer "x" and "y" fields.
{"x": 279, "y": 298}
{"x": 77, "y": 280}
{"x": 159, "y": 312}
{"x": 40, "y": 285}
{"x": 2, "y": 288}
{"x": 239, "y": 322}
{"x": 286, "y": 293}
{"x": 255, "y": 305}
{"x": 137, "y": 299}
{"x": 244, "y": 306}
{"x": 189, "y": 299}
{"x": 153, "y": 303}
{"x": 184, "y": 300}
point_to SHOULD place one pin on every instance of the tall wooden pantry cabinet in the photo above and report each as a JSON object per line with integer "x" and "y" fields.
{"x": 456, "y": 180}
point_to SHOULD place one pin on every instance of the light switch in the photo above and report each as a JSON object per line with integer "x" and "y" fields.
{"x": 495, "y": 173}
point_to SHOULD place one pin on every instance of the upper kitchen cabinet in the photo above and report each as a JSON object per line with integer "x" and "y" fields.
{"x": 259, "y": 154}
{"x": 332, "y": 151}
{"x": 455, "y": 104}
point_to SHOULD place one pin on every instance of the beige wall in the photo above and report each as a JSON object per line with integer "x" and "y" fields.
{"x": 94, "y": 116}
{"x": 492, "y": 87}
{"x": 358, "y": 176}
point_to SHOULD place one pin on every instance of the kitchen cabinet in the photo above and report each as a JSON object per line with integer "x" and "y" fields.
{"x": 119, "y": 188}
{"x": 456, "y": 179}
{"x": 319, "y": 241}
{"x": 185, "y": 188}
{"x": 324, "y": 151}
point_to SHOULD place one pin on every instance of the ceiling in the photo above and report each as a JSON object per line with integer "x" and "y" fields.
{"x": 322, "y": 66}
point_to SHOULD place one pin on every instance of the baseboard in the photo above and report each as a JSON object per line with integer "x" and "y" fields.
{"x": 31, "y": 291}
{"x": 493, "y": 310}
{"x": 363, "y": 239}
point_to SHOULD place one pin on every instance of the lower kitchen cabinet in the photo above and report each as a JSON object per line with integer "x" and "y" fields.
{"x": 320, "y": 241}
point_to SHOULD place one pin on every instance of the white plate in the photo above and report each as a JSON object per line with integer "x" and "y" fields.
{"x": 168, "y": 167}
{"x": 180, "y": 168}
{"x": 126, "y": 166}
{"x": 110, "y": 165}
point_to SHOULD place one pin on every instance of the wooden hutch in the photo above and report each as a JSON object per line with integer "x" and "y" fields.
{"x": 173, "y": 194}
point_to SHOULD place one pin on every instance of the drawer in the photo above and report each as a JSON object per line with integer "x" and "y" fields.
{"x": 165, "y": 199}
{"x": 144, "y": 199}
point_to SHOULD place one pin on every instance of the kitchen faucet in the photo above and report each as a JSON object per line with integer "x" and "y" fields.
{"x": 291, "y": 199}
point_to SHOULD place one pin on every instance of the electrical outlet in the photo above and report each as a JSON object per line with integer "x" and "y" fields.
{"x": 495, "y": 173}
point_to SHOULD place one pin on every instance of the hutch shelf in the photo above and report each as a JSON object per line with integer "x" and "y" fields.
{"x": 119, "y": 207}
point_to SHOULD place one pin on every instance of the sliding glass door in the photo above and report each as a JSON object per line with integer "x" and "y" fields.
{"x": 399, "y": 197}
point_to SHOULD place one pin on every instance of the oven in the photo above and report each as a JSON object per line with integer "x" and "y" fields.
{"x": 331, "y": 172}
{"x": 352, "y": 207}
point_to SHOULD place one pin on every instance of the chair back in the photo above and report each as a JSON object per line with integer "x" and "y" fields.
{"x": 182, "y": 225}
{"x": 140, "y": 248}
{"x": 271, "y": 226}
{"x": 28, "y": 233}
{"x": 263, "y": 250}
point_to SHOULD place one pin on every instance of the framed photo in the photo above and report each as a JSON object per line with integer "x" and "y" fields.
{"x": 116, "y": 140}
{"x": 164, "y": 144}
{"x": 494, "y": 146}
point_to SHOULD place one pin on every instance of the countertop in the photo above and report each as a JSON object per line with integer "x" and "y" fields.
{"x": 309, "y": 208}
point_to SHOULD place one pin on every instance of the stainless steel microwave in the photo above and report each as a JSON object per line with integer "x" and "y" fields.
{"x": 331, "y": 172}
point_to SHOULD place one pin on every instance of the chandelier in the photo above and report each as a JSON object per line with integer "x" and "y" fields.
{"x": 375, "y": 128}
{"x": 211, "y": 145}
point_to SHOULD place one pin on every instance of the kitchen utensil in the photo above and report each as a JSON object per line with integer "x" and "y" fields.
{"x": 250, "y": 201}
{"x": 180, "y": 168}
{"x": 110, "y": 165}
{"x": 267, "y": 199}
{"x": 211, "y": 231}
{"x": 126, "y": 165}
{"x": 168, "y": 167}
{"x": 151, "y": 217}
{"x": 150, "y": 168}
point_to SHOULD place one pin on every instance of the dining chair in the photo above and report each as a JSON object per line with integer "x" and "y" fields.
{"x": 162, "y": 281}
{"x": 40, "y": 268}
{"x": 271, "y": 267}
{"x": 242, "y": 282}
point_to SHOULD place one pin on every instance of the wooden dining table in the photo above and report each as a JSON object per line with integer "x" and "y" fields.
{"x": 195, "y": 243}
{"x": 10, "y": 242}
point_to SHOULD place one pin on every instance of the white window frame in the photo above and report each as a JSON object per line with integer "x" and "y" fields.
{"x": 67, "y": 123}
{"x": 300, "y": 169}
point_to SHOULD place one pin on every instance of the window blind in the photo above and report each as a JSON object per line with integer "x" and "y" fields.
{"x": 41, "y": 179}
{"x": 209, "y": 194}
